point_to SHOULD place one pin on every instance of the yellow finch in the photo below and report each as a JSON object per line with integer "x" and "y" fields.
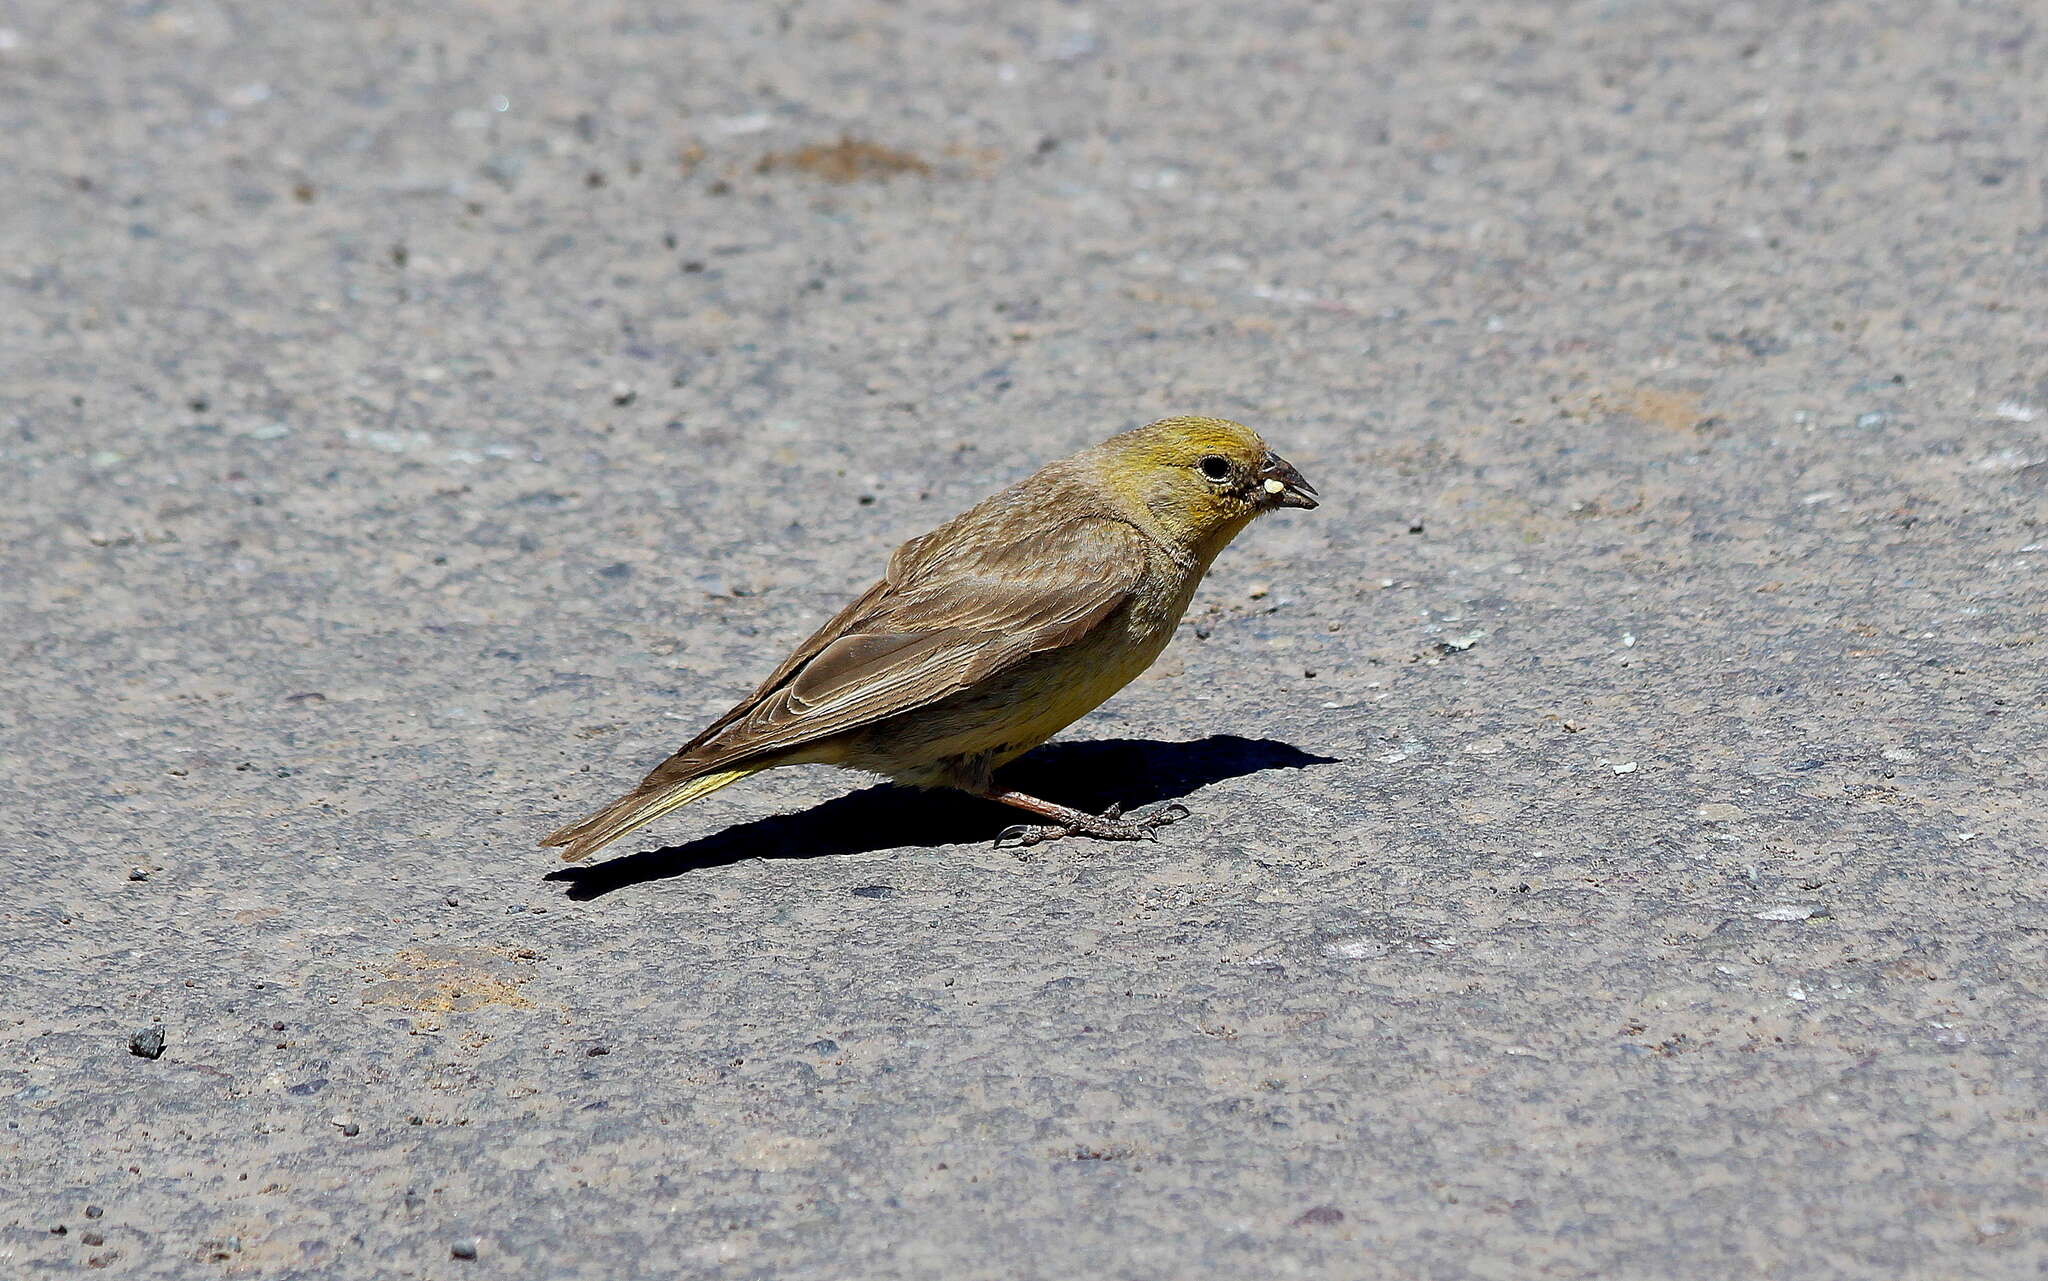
{"x": 994, "y": 632}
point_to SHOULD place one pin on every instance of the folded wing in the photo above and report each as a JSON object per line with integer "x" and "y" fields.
{"x": 929, "y": 631}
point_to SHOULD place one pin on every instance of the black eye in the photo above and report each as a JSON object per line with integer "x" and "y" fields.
{"x": 1215, "y": 467}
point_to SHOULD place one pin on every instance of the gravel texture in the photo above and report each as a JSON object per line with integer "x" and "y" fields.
{"x": 1619, "y": 811}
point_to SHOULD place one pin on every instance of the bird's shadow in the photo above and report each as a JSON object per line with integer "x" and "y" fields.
{"x": 1091, "y": 775}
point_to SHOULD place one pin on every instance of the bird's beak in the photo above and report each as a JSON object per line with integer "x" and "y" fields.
{"x": 1284, "y": 486}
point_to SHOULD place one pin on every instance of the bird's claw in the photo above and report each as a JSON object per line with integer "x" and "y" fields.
{"x": 1110, "y": 825}
{"x": 1166, "y": 815}
{"x": 1027, "y": 835}
{"x": 1142, "y": 829}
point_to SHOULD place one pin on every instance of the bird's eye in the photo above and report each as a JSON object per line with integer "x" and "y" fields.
{"x": 1215, "y": 467}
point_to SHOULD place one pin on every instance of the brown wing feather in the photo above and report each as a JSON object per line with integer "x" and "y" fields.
{"x": 835, "y": 627}
{"x": 930, "y": 629}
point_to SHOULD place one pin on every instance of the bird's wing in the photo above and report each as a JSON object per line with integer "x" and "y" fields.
{"x": 935, "y": 627}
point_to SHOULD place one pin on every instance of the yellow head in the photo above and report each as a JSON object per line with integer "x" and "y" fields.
{"x": 1201, "y": 480}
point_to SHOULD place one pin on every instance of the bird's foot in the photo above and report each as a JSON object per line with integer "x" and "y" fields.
{"x": 1110, "y": 825}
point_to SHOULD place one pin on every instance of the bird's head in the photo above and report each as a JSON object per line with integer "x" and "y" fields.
{"x": 1201, "y": 479}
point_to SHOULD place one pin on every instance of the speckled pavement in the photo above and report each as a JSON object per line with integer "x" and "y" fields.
{"x": 1617, "y": 846}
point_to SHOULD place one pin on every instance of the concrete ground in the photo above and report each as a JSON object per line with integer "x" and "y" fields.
{"x": 1619, "y": 811}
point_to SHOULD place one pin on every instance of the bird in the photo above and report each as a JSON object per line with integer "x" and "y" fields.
{"x": 994, "y": 632}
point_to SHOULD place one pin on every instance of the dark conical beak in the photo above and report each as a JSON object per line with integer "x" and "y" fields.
{"x": 1284, "y": 486}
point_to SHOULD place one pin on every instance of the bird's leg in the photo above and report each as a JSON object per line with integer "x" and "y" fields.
{"x": 1110, "y": 825}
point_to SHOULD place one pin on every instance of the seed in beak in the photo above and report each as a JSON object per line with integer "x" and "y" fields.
{"x": 1275, "y": 487}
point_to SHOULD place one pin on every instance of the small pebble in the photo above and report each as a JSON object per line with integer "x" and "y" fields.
{"x": 93, "y": 1238}
{"x": 138, "y": 873}
{"x": 464, "y": 1249}
{"x": 1791, "y": 912}
{"x": 148, "y": 1043}
{"x": 93, "y": 1212}
{"x": 351, "y": 1130}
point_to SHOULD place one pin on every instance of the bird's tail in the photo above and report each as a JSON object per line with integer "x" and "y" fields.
{"x": 643, "y": 804}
